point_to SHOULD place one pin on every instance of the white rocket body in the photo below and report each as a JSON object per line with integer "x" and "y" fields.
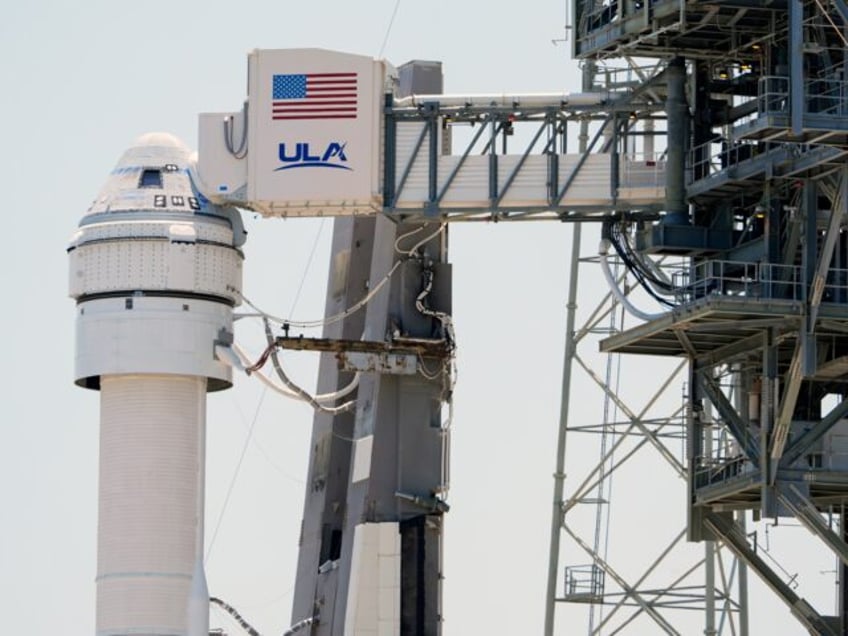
{"x": 155, "y": 270}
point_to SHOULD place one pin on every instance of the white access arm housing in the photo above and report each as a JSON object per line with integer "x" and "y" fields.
{"x": 307, "y": 141}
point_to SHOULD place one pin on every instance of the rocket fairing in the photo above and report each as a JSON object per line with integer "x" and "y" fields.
{"x": 155, "y": 270}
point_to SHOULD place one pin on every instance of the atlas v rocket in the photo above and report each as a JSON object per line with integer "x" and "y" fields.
{"x": 155, "y": 270}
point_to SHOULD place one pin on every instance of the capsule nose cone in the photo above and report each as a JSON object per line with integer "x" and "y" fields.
{"x": 155, "y": 148}
{"x": 151, "y": 175}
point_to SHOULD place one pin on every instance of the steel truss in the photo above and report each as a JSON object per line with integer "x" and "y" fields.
{"x": 654, "y": 590}
{"x": 548, "y": 119}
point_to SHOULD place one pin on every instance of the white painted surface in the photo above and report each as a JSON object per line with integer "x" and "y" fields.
{"x": 151, "y": 471}
{"x": 362, "y": 458}
{"x": 373, "y": 603}
{"x": 151, "y": 335}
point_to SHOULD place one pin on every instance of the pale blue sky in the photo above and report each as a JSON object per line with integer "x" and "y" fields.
{"x": 80, "y": 82}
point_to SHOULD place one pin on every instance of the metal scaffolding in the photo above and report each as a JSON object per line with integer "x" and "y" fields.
{"x": 748, "y": 262}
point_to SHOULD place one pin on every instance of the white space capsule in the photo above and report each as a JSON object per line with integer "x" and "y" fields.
{"x": 155, "y": 270}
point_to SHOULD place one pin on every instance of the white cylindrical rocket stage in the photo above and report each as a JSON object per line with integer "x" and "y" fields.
{"x": 151, "y": 483}
{"x": 155, "y": 270}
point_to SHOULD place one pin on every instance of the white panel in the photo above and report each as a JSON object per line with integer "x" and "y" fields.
{"x": 220, "y": 172}
{"x": 362, "y": 459}
{"x": 193, "y": 255}
{"x": 640, "y": 182}
{"x": 180, "y": 266}
{"x": 150, "y": 504}
{"x": 530, "y": 186}
{"x": 305, "y": 157}
{"x": 373, "y": 603}
{"x": 151, "y": 335}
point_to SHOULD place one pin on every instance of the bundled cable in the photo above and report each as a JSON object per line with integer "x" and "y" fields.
{"x": 247, "y": 627}
{"x": 301, "y": 393}
{"x": 236, "y": 358}
{"x": 646, "y": 278}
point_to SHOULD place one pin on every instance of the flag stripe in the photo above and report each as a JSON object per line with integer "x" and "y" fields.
{"x": 326, "y": 102}
{"x": 339, "y": 82}
{"x": 315, "y": 110}
{"x": 331, "y": 75}
{"x": 334, "y": 116}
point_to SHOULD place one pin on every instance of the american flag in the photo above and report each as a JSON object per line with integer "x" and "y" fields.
{"x": 314, "y": 96}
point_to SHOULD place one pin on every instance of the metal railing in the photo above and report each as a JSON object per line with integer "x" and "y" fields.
{"x": 737, "y": 279}
{"x": 714, "y": 156}
{"x": 584, "y": 583}
{"x": 642, "y": 170}
{"x": 826, "y": 97}
{"x": 821, "y": 96}
{"x": 772, "y": 95}
{"x": 716, "y": 469}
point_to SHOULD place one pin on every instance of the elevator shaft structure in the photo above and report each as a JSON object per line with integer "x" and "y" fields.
{"x": 752, "y": 280}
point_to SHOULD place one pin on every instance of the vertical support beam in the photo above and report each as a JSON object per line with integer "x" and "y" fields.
{"x": 772, "y": 229}
{"x": 843, "y": 574}
{"x": 433, "y": 162}
{"x": 709, "y": 588}
{"x": 809, "y": 260}
{"x": 709, "y": 545}
{"x": 389, "y": 153}
{"x": 399, "y": 455}
{"x": 742, "y": 598}
{"x": 796, "y": 65}
{"x": 329, "y": 462}
{"x": 565, "y": 402}
{"x": 677, "y": 211}
{"x": 694, "y": 449}
{"x": 493, "y": 163}
{"x": 615, "y": 177}
{"x": 702, "y": 123}
{"x": 385, "y": 465}
{"x": 767, "y": 413}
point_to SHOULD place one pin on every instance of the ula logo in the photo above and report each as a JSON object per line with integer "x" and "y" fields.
{"x": 300, "y": 156}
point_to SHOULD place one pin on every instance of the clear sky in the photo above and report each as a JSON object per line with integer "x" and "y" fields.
{"x": 80, "y": 82}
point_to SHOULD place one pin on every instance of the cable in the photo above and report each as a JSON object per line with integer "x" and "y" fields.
{"x": 306, "y": 622}
{"x": 235, "y": 476}
{"x": 643, "y": 275}
{"x": 236, "y": 358}
{"x": 442, "y": 317}
{"x": 411, "y": 252}
{"x": 310, "y": 324}
{"x": 388, "y": 29}
{"x": 247, "y": 627}
{"x": 605, "y": 268}
{"x": 333, "y": 410}
{"x": 448, "y": 370}
{"x": 308, "y": 265}
{"x": 229, "y": 121}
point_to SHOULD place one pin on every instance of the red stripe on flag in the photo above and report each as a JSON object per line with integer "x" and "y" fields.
{"x": 339, "y": 116}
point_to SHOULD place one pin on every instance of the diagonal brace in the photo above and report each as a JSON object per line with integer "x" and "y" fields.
{"x": 733, "y": 538}
{"x": 737, "y": 426}
{"x": 803, "y": 443}
{"x": 787, "y": 405}
{"x": 630, "y": 591}
{"x": 808, "y": 515}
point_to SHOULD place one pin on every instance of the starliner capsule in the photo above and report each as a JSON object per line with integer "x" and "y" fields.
{"x": 155, "y": 270}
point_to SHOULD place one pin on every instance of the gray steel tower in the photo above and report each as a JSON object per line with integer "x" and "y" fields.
{"x": 748, "y": 261}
